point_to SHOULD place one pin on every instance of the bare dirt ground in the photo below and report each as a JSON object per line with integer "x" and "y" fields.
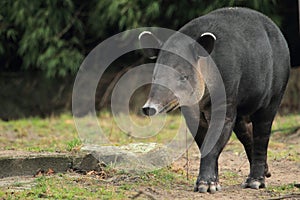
{"x": 233, "y": 170}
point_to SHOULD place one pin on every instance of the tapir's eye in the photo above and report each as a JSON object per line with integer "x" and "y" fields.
{"x": 183, "y": 78}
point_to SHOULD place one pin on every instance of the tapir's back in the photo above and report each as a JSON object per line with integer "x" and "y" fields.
{"x": 250, "y": 52}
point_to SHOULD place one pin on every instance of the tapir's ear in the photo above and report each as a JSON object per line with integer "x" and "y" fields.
{"x": 207, "y": 41}
{"x": 148, "y": 40}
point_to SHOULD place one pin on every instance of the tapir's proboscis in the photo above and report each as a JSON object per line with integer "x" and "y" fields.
{"x": 252, "y": 58}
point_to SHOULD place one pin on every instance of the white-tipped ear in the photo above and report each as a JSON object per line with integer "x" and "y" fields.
{"x": 150, "y": 44}
{"x": 211, "y": 34}
{"x": 143, "y": 33}
{"x": 207, "y": 42}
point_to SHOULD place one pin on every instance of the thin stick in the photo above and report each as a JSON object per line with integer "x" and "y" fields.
{"x": 187, "y": 155}
{"x": 141, "y": 192}
{"x": 288, "y": 196}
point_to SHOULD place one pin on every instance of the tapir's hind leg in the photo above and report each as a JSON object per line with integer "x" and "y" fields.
{"x": 262, "y": 122}
{"x": 244, "y": 132}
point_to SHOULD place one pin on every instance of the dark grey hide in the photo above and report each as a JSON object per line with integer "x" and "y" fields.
{"x": 253, "y": 60}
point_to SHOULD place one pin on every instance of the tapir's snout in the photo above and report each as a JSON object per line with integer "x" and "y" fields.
{"x": 149, "y": 111}
{"x": 161, "y": 100}
{"x": 150, "y": 108}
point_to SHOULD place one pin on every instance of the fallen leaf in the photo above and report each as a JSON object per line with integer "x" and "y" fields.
{"x": 50, "y": 171}
{"x": 91, "y": 172}
{"x": 39, "y": 173}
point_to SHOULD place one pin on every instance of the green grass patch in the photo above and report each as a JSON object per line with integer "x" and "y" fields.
{"x": 283, "y": 189}
{"x": 121, "y": 186}
{"x": 37, "y": 134}
{"x": 230, "y": 178}
{"x": 58, "y": 133}
{"x": 65, "y": 187}
{"x": 280, "y": 153}
{"x": 74, "y": 144}
{"x": 286, "y": 124}
{"x": 122, "y": 129}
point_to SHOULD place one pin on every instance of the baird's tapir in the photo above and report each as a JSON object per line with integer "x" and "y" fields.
{"x": 253, "y": 59}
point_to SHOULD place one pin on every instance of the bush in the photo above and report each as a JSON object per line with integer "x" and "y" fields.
{"x": 45, "y": 35}
{"x": 53, "y": 36}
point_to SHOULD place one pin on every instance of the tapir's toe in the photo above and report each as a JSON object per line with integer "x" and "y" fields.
{"x": 254, "y": 183}
{"x": 204, "y": 186}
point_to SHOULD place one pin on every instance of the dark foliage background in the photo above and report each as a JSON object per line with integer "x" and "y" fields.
{"x": 42, "y": 43}
{"x": 53, "y": 36}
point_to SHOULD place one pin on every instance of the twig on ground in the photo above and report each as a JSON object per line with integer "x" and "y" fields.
{"x": 145, "y": 193}
{"x": 293, "y": 195}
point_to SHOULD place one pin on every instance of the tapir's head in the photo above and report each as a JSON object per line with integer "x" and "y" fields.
{"x": 177, "y": 78}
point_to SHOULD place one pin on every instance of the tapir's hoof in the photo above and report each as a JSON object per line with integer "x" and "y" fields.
{"x": 254, "y": 183}
{"x": 267, "y": 174}
{"x": 204, "y": 186}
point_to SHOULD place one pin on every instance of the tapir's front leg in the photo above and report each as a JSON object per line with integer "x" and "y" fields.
{"x": 208, "y": 180}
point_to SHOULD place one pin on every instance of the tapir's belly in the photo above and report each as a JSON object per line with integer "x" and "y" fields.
{"x": 253, "y": 97}
{"x": 248, "y": 107}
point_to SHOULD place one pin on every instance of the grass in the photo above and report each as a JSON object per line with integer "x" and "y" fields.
{"x": 117, "y": 185}
{"x": 65, "y": 187}
{"x": 279, "y": 153}
{"x": 36, "y": 134}
{"x": 230, "y": 177}
{"x": 283, "y": 126}
{"x": 283, "y": 189}
{"x": 74, "y": 145}
{"x": 286, "y": 124}
{"x": 59, "y": 133}
{"x": 74, "y": 186}
{"x": 124, "y": 130}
